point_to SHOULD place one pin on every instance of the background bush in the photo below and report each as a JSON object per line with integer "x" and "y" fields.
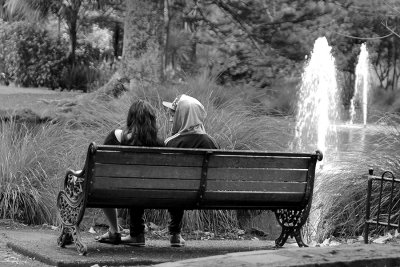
{"x": 90, "y": 71}
{"x": 30, "y": 56}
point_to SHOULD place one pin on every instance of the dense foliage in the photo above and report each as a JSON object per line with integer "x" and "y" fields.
{"x": 264, "y": 44}
{"x": 260, "y": 43}
{"x": 30, "y": 55}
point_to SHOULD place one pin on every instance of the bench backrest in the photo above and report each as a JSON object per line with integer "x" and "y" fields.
{"x": 122, "y": 176}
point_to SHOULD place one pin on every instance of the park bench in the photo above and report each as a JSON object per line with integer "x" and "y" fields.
{"x": 161, "y": 178}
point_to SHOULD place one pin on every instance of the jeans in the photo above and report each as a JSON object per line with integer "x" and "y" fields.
{"x": 175, "y": 222}
{"x": 136, "y": 226}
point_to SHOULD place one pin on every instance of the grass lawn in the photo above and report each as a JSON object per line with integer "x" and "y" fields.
{"x": 39, "y": 100}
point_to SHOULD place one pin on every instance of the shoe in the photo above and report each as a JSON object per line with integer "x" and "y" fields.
{"x": 177, "y": 240}
{"x": 109, "y": 238}
{"x": 137, "y": 241}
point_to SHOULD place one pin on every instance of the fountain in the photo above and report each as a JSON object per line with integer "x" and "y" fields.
{"x": 317, "y": 110}
{"x": 317, "y": 113}
{"x": 349, "y": 150}
{"x": 362, "y": 73}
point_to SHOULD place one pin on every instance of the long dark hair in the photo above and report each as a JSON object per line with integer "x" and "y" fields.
{"x": 141, "y": 125}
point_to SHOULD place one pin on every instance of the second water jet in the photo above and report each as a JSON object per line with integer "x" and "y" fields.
{"x": 361, "y": 86}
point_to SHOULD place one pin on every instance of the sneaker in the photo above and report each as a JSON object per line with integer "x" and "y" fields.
{"x": 110, "y": 238}
{"x": 137, "y": 241}
{"x": 177, "y": 240}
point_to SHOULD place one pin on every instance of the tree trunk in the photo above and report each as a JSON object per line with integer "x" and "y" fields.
{"x": 143, "y": 35}
{"x": 58, "y": 28}
{"x": 73, "y": 17}
{"x": 116, "y": 40}
{"x": 394, "y": 76}
{"x": 72, "y": 34}
{"x": 167, "y": 57}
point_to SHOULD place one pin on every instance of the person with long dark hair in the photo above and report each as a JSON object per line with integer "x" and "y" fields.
{"x": 140, "y": 130}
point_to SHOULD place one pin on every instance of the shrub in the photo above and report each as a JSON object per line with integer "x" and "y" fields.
{"x": 86, "y": 54}
{"x": 28, "y": 162}
{"x": 88, "y": 72}
{"x": 34, "y": 157}
{"x": 30, "y": 55}
{"x": 79, "y": 77}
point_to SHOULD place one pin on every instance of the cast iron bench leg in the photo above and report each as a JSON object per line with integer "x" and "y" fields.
{"x": 70, "y": 203}
{"x": 291, "y": 222}
{"x": 70, "y": 218}
{"x": 65, "y": 238}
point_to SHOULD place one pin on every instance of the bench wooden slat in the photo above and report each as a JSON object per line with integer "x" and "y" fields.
{"x": 242, "y": 198}
{"x": 117, "y": 183}
{"x": 158, "y": 197}
{"x": 112, "y": 193}
{"x": 161, "y": 159}
{"x": 142, "y": 171}
{"x": 143, "y": 198}
{"x": 188, "y": 199}
{"x": 111, "y": 183}
{"x": 257, "y": 174}
{"x": 193, "y": 160}
{"x": 191, "y": 173}
{"x": 200, "y": 151}
{"x": 265, "y": 187}
{"x": 147, "y": 203}
{"x": 249, "y": 161}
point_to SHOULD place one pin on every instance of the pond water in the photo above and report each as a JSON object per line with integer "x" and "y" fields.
{"x": 342, "y": 173}
{"x": 371, "y": 146}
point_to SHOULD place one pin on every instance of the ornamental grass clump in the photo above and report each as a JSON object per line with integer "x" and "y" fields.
{"x": 34, "y": 158}
{"x": 28, "y": 163}
{"x": 341, "y": 189}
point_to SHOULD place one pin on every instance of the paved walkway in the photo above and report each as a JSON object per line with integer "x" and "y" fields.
{"x": 355, "y": 255}
{"x": 38, "y": 248}
{"x": 41, "y": 245}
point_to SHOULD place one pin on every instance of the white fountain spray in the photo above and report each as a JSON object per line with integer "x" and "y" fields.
{"x": 317, "y": 110}
{"x": 362, "y": 80}
{"x": 317, "y": 113}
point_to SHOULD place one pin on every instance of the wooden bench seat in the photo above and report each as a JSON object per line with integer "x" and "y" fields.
{"x": 160, "y": 178}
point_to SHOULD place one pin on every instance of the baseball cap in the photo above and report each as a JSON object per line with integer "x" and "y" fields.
{"x": 172, "y": 105}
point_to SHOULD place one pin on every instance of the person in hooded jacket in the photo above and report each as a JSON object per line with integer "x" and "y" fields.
{"x": 187, "y": 116}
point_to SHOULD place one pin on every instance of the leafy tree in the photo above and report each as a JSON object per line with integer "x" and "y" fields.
{"x": 72, "y": 12}
{"x": 108, "y": 15}
{"x": 364, "y": 22}
{"x": 259, "y": 40}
